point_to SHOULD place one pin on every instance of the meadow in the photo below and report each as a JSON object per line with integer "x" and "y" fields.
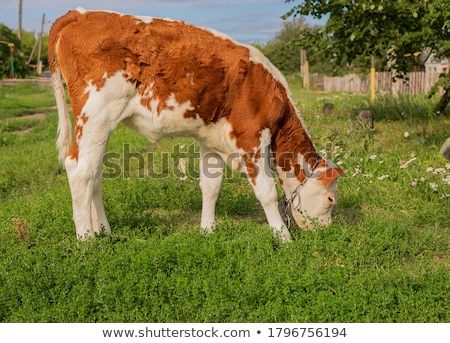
{"x": 385, "y": 257}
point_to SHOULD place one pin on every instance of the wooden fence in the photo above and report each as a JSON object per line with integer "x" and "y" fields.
{"x": 41, "y": 81}
{"x": 419, "y": 82}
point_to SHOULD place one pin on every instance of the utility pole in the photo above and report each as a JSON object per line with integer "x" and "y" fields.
{"x": 11, "y": 61}
{"x": 19, "y": 31}
{"x": 32, "y": 52}
{"x": 41, "y": 34}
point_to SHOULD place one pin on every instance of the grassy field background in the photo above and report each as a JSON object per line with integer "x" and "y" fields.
{"x": 385, "y": 258}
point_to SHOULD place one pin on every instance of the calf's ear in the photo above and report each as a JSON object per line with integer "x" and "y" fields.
{"x": 331, "y": 174}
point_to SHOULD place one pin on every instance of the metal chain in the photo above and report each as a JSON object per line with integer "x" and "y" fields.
{"x": 285, "y": 214}
{"x": 288, "y": 203}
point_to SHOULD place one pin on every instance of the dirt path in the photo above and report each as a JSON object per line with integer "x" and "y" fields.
{"x": 38, "y": 116}
{"x": 31, "y": 116}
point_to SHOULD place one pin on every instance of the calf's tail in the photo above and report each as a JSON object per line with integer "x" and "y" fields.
{"x": 64, "y": 123}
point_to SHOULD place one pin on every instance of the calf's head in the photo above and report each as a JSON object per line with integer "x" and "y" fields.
{"x": 312, "y": 194}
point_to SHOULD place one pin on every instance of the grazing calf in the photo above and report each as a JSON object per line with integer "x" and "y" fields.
{"x": 164, "y": 77}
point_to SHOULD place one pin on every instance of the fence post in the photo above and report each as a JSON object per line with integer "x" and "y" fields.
{"x": 372, "y": 79}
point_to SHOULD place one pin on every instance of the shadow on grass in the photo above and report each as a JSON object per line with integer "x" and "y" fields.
{"x": 348, "y": 211}
{"x": 166, "y": 209}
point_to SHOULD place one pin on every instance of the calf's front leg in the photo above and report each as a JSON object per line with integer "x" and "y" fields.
{"x": 211, "y": 175}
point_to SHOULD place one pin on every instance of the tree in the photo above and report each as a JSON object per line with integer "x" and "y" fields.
{"x": 284, "y": 51}
{"x": 281, "y": 53}
{"x": 396, "y": 29}
{"x": 20, "y": 67}
{"x": 24, "y": 50}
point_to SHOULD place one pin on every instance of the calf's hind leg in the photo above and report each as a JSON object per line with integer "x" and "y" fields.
{"x": 84, "y": 173}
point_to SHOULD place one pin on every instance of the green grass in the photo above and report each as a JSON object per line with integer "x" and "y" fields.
{"x": 25, "y": 99}
{"x": 385, "y": 258}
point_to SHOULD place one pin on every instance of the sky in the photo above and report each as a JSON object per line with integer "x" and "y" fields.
{"x": 247, "y": 21}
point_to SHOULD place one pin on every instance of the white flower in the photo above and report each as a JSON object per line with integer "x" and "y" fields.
{"x": 356, "y": 172}
{"x": 447, "y": 180}
{"x": 383, "y": 177}
{"x": 339, "y": 163}
{"x": 406, "y": 134}
{"x": 443, "y": 196}
{"x": 372, "y": 157}
{"x": 430, "y": 169}
{"x": 433, "y": 186}
{"x": 439, "y": 171}
{"x": 447, "y": 166}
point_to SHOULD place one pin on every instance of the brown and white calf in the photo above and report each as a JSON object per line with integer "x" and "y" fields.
{"x": 164, "y": 77}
